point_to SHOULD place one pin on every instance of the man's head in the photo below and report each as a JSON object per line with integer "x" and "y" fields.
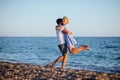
{"x": 59, "y": 21}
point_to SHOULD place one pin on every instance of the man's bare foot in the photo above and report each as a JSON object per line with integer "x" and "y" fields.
{"x": 50, "y": 65}
{"x": 53, "y": 64}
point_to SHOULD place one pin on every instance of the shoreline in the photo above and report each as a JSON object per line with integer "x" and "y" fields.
{"x": 21, "y": 71}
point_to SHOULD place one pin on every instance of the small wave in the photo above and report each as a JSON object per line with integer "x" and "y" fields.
{"x": 1, "y": 48}
{"x": 101, "y": 56}
{"x": 9, "y": 60}
{"x": 109, "y": 46}
{"x": 103, "y": 69}
{"x": 117, "y": 58}
{"x": 115, "y": 71}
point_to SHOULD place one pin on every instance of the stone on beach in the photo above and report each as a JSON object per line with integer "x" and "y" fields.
{"x": 19, "y": 71}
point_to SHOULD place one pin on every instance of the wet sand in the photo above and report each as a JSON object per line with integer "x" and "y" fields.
{"x": 19, "y": 71}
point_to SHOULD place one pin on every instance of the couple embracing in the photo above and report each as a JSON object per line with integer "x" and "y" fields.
{"x": 66, "y": 41}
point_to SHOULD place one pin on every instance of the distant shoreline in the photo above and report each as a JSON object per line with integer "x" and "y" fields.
{"x": 55, "y": 36}
{"x": 73, "y": 35}
{"x": 10, "y": 70}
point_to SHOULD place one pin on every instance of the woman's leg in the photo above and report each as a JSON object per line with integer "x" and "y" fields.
{"x": 74, "y": 50}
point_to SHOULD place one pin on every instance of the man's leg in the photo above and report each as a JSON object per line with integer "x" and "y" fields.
{"x": 57, "y": 60}
{"x": 64, "y": 60}
{"x": 64, "y": 51}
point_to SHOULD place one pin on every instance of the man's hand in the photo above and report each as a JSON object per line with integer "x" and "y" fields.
{"x": 58, "y": 28}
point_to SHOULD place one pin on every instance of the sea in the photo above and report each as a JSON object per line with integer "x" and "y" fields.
{"x": 104, "y": 55}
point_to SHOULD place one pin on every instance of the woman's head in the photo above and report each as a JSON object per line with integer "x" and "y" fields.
{"x": 65, "y": 20}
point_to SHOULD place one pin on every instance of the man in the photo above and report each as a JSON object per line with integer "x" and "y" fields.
{"x": 62, "y": 46}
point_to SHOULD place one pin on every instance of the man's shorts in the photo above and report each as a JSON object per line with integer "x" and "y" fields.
{"x": 63, "y": 49}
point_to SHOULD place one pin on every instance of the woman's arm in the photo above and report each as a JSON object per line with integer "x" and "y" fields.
{"x": 64, "y": 30}
{"x": 67, "y": 31}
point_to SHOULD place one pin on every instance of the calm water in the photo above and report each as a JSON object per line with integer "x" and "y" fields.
{"x": 104, "y": 55}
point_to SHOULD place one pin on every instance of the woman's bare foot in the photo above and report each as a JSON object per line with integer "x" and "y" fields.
{"x": 86, "y": 47}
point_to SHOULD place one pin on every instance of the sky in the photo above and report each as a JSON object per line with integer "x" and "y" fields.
{"x": 88, "y": 18}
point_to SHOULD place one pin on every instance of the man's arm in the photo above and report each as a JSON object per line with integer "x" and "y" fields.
{"x": 58, "y": 27}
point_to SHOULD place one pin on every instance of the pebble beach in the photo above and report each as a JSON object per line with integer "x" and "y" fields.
{"x": 20, "y": 71}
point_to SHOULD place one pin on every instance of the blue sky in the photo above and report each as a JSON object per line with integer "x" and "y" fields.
{"x": 38, "y": 17}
